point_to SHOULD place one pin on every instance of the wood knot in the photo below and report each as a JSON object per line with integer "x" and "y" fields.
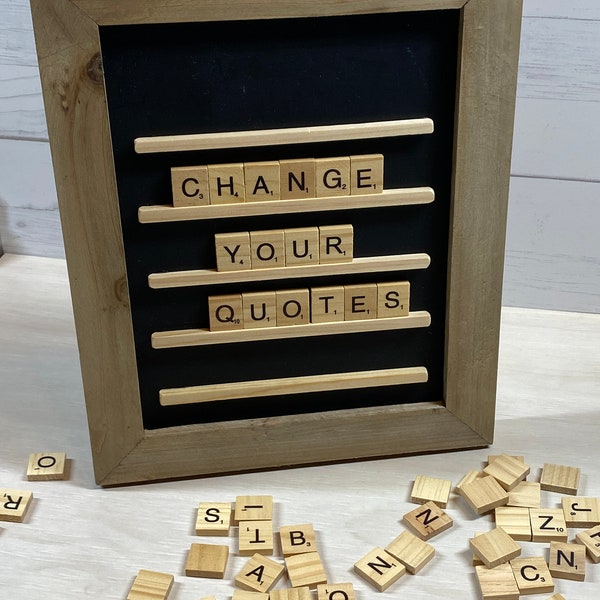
{"x": 95, "y": 70}
{"x": 121, "y": 291}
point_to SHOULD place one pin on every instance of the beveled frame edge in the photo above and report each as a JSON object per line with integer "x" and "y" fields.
{"x": 123, "y": 452}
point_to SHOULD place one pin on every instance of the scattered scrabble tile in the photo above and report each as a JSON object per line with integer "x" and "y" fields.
{"x": 380, "y": 569}
{"x": 567, "y": 561}
{"x": 47, "y": 466}
{"x": 259, "y": 574}
{"x": 207, "y": 560}
{"x": 253, "y": 508}
{"x": 214, "y": 518}
{"x": 150, "y": 585}
{"x": 470, "y": 476}
{"x": 558, "y": 478}
{"x": 548, "y": 524}
{"x": 297, "y": 539}
{"x": 515, "y": 521}
{"x": 14, "y": 504}
{"x": 591, "y": 540}
{"x": 526, "y": 494}
{"x": 495, "y": 547}
{"x": 498, "y": 583}
{"x": 300, "y": 593}
{"x": 432, "y": 489}
{"x": 556, "y": 597}
{"x": 507, "y": 471}
{"x": 581, "y": 512}
{"x": 532, "y": 575}
{"x": 476, "y": 560}
{"x": 493, "y": 457}
{"x": 484, "y": 494}
{"x": 232, "y": 251}
{"x": 255, "y": 537}
{"x": 209, "y": 598}
{"x": 305, "y": 569}
{"x": 366, "y": 174}
{"x": 428, "y": 520}
{"x": 412, "y": 552}
{"x": 244, "y": 595}
{"x": 335, "y": 591}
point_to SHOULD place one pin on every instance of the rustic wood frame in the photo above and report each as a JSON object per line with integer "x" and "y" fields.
{"x": 70, "y": 63}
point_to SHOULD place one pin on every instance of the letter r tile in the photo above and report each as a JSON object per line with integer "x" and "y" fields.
{"x": 14, "y": 504}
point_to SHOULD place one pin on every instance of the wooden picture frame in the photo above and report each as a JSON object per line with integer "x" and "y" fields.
{"x": 68, "y": 44}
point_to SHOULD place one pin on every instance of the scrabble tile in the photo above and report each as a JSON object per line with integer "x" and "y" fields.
{"x": 207, "y": 560}
{"x": 532, "y": 575}
{"x": 293, "y": 307}
{"x": 14, "y": 504}
{"x": 558, "y": 478}
{"x": 297, "y": 178}
{"x": 305, "y": 569}
{"x": 332, "y": 176}
{"x": 567, "y": 561}
{"x": 526, "y": 494}
{"x": 412, "y": 552}
{"x": 366, "y": 174}
{"x": 498, "y": 583}
{"x": 475, "y": 559}
{"x": 515, "y": 521}
{"x": 327, "y": 304}
{"x": 581, "y": 512}
{"x": 335, "y": 591}
{"x": 336, "y": 244}
{"x": 432, "y": 489}
{"x": 300, "y": 593}
{"x": 259, "y": 309}
{"x": 484, "y": 494}
{"x": 493, "y": 457}
{"x": 150, "y": 585}
{"x": 360, "y": 302}
{"x": 428, "y": 520}
{"x": 190, "y": 186}
{"x": 244, "y": 595}
{"x": 226, "y": 183}
{"x": 259, "y": 574}
{"x": 470, "y": 476}
{"x": 301, "y": 246}
{"x": 591, "y": 540}
{"x": 225, "y": 312}
{"x": 232, "y": 251}
{"x": 209, "y": 598}
{"x": 253, "y": 508}
{"x": 47, "y": 466}
{"x": 556, "y": 597}
{"x": 495, "y": 547}
{"x": 255, "y": 537}
{"x": 261, "y": 181}
{"x": 548, "y": 524}
{"x": 393, "y": 299}
{"x": 507, "y": 471}
{"x": 380, "y": 569}
{"x": 267, "y": 249}
{"x": 214, "y": 518}
{"x": 297, "y": 539}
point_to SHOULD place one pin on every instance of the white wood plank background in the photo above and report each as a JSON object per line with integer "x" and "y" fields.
{"x": 557, "y": 139}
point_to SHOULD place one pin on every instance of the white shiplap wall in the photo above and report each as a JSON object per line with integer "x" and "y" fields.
{"x": 553, "y": 244}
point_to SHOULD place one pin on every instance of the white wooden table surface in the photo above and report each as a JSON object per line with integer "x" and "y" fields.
{"x": 81, "y": 541}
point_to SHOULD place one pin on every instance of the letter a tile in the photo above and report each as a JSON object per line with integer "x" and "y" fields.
{"x": 259, "y": 574}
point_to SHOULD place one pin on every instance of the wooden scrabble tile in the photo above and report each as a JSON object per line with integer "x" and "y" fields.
{"x": 393, "y": 299}
{"x": 259, "y": 574}
{"x": 297, "y": 539}
{"x": 556, "y": 597}
{"x": 567, "y": 561}
{"x": 532, "y": 575}
{"x": 380, "y": 569}
{"x": 428, "y": 520}
{"x": 591, "y": 540}
{"x": 232, "y": 251}
{"x": 150, "y": 585}
{"x": 214, "y": 518}
{"x": 432, "y": 489}
{"x": 470, "y": 476}
{"x": 327, "y": 304}
{"x": 261, "y": 180}
{"x": 498, "y": 583}
{"x": 207, "y": 560}
{"x": 332, "y": 176}
{"x": 14, "y": 504}
{"x": 299, "y": 593}
{"x": 301, "y": 246}
{"x": 562, "y": 479}
{"x": 255, "y": 537}
{"x": 366, "y": 174}
{"x": 47, "y": 466}
{"x": 475, "y": 559}
{"x": 190, "y": 186}
{"x": 336, "y": 244}
{"x": 253, "y": 508}
{"x": 259, "y": 309}
{"x": 297, "y": 178}
{"x": 226, "y": 183}
{"x": 335, "y": 591}
{"x": 548, "y": 524}
{"x": 293, "y": 307}
{"x": 225, "y": 312}
{"x": 493, "y": 457}
{"x": 581, "y": 512}
{"x": 484, "y": 494}
{"x": 244, "y": 595}
{"x": 412, "y": 552}
{"x": 209, "y": 598}
{"x": 507, "y": 471}
{"x": 360, "y": 302}
{"x": 305, "y": 569}
{"x": 526, "y": 494}
{"x": 495, "y": 547}
{"x": 267, "y": 249}
{"x": 515, "y": 521}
